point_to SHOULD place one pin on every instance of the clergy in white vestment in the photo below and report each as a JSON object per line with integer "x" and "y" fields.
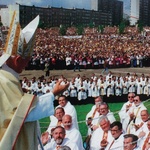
{"x": 109, "y": 75}
{"x": 82, "y": 92}
{"x": 59, "y": 140}
{"x": 89, "y": 89}
{"x": 102, "y": 88}
{"x": 105, "y": 111}
{"x": 47, "y": 88}
{"x": 133, "y": 114}
{"x": 95, "y": 89}
{"x": 73, "y": 89}
{"x": 146, "y": 88}
{"x": 66, "y": 92}
{"x": 69, "y": 109}
{"x": 110, "y": 87}
{"x": 28, "y": 88}
{"x": 116, "y": 131}
{"x": 93, "y": 77}
{"x": 71, "y": 132}
{"x": 123, "y": 113}
{"x": 55, "y": 120}
{"x": 118, "y": 88}
{"x": 130, "y": 142}
{"x": 78, "y": 79}
{"x": 101, "y": 137}
{"x": 20, "y": 112}
{"x": 93, "y": 113}
{"x": 125, "y": 85}
{"x": 143, "y": 125}
{"x": 144, "y": 138}
{"x": 132, "y": 85}
{"x": 139, "y": 86}
{"x": 99, "y": 80}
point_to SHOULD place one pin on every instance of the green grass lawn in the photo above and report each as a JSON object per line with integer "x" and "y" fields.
{"x": 82, "y": 110}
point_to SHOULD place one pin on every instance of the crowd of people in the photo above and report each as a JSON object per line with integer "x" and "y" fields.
{"x": 130, "y": 132}
{"x": 104, "y": 132}
{"x": 92, "y": 49}
{"x": 134, "y": 123}
{"x": 82, "y": 87}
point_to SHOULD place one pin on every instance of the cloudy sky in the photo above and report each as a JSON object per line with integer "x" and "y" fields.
{"x": 55, "y": 3}
{"x": 59, "y": 3}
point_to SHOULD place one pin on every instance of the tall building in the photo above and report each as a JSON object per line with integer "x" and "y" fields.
{"x": 144, "y": 15}
{"x": 140, "y": 10}
{"x": 94, "y": 5}
{"x": 54, "y": 16}
{"x": 115, "y": 7}
{"x": 134, "y": 11}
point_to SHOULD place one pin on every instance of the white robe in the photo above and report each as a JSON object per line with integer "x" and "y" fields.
{"x": 73, "y": 90}
{"x": 142, "y": 128}
{"x": 90, "y": 89}
{"x": 142, "y": 140}
{"x": 93, "y": 113}
{"x": 47, "y": 88}
{"x": 97, "y": 137}
{"x": 44, "y": 107}
{"x": 53, "y": 123}
{"x": 102, "y": 88}
{"x": 82, "y": 94}
{"x": 70, "y": 110}
{"x": 137, "y": 111}
{"x": 117, "y": 144}
{"x": 123, "y": 113}
{"x": 139, "y": 87}
{"x": 118, "y": 89}
{"x": 66, "y": 142}
{"x": 75, "y": 136}
{"x": 125, "y": 86}
{"x": 97, "y": 118}
{"x": 132, "y": 87}
{"x": 146, "y": 89}
{"x": 95, "y": 90}
{"x": 110, "y": 88}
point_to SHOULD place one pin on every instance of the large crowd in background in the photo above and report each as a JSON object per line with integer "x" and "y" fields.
{"x": 92, "y": 49}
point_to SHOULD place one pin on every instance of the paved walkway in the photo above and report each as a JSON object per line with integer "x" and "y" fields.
{"x": 69, "y": 74}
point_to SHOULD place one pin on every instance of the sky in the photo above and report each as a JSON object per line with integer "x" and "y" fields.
{"x": 60, "y": 3}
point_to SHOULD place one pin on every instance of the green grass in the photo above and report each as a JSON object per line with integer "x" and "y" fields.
{"x": 82, "y": 110}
